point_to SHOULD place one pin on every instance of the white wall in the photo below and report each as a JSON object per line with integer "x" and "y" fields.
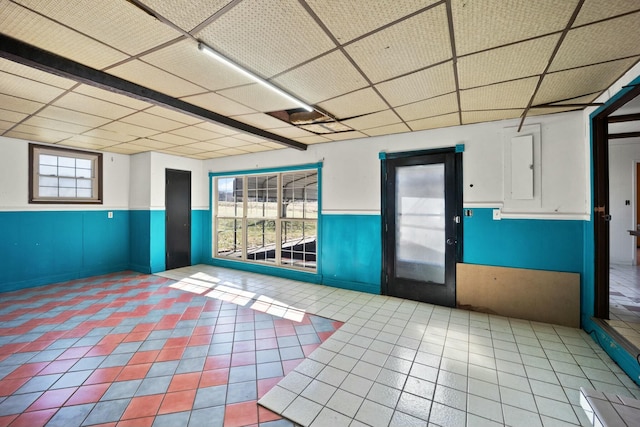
{"x": 199, "y": 182}
{"x": 14, "y": 180}
{"x": 351, "y": 171}
{"x": 622, "y": 162}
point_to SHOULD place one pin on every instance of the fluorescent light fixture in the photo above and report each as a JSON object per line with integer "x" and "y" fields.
{"x": 206, "y": 49}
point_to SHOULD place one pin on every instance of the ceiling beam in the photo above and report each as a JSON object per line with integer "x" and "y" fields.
{"x": 624, "y": 118}
{"x": 34, "y": 57}
{"x": 574, "y": 105}
{"x": 624, "y": 135}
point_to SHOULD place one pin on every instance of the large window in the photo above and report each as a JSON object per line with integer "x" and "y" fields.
{"x": 58, "y": 175}
{"x": 269, "y": 218}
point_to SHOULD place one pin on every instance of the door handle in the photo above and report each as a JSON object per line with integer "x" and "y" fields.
{"x": 450, "y": 242}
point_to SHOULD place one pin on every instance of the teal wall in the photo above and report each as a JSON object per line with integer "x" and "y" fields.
{"x": 43, "y": 247}
{"x": 351, "y": 254}
{"x": 538, "y": 244}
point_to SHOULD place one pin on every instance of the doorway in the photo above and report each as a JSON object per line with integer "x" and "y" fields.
{"x": 422, "y": 228}
{"x": 177, "y": 218}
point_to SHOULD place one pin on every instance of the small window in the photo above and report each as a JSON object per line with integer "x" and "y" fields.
{"x": 60, "y": 175}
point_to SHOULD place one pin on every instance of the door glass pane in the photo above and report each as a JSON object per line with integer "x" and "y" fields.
{"x": 420, "y": 223}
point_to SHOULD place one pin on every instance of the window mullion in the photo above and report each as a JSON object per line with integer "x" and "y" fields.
{"x": 279, "y": 221}
{"x": 245, "y": 205}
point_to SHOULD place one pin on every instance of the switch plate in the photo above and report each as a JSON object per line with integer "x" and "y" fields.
{"x": 497, "y": 214}
{"x": 110, "y": 214}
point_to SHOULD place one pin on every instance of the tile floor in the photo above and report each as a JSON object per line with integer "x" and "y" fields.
{"x": 136, "y": 350}
{"x": 624, "y": 301}
{"x": 129, "y": 350}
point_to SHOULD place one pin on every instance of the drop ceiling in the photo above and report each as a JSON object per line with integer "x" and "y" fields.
{"x": 371, "y": 67}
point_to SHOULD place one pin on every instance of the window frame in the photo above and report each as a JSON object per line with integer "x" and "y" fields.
{"x": 35, "y": 150}
{"x": 246, "y": 218}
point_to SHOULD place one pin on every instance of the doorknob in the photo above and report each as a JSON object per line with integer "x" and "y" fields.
{"x": 450, "y": 242}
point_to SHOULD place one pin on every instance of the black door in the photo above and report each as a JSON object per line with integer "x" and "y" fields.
{"x": 422, "y": 229}
{"x": 178, "y": 218}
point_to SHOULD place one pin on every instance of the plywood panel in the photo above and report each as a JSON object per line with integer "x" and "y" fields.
{"x": 542, "y": 296}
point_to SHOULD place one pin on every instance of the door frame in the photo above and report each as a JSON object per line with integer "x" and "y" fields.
{"x": 458, "y": 204}
{"x": 166, "y": 195}
{"x": 600, "y": 199}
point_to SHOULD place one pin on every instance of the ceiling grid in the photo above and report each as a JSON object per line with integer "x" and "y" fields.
{"x": 370, "y": 68}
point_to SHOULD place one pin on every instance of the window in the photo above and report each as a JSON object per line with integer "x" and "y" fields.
{"x": 60, "y": 175}
{"x": 269, "y": 218}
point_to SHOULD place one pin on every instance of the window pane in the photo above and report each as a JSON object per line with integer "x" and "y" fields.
{"x": 68, "y": 162}
{"x": 300, "y": 194}
{"x": 83, "y": 183}
{"x": 48, "y": 160}
{"x": 48, "y": 170}
{"x": 299, "y": 244}
{"x": 229, "y": 237}
{"x": 229, "y": 197}
{"x": 66, "y": 171}
{"x": 83, "y": 173}
{"x": 48, "y": 181}
{"x": 84, "y": 192}
{"x": 261, "y": 240}
{"x": 67, "y": 182}
{"x": 83, "y": 163}
{"x": 67, "y": 192}
{"x": 48, "y": 191}
{"x": 262, "y": 196}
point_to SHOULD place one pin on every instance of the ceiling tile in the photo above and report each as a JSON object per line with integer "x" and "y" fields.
{"x": 196, "y": 133}
{"x": 230, "y": 141}
{"x": 69, "y": 116}
{"x": 595, "y": 10}
{"x": 181, "y": 149}
{"x": 19, "y": 105}
{"x": 214, "y": 127}
{"x": 342, "y": 136}
{"x": 430, "y": 107}
{"x": 401, "y": 48}
{"x": 173, "y": 139}
{"x": 421, "y": 85}
{"x": 368, "y": 121}
{"x": 152, "y": 122}
{"x": 582, "y": 99}
{"x": 273, "y": 145}
{"x": 28, "y": 26}
{"x": 443, "y": 121}
{"x": 36, "y": 75}
{"x": 232, "y": 151}
{"x": 605, "y": 41}
{"x": 93, "y": 140}
{"x": 46, "y": 138}
{"x": 258, "y": 97}
{"x": 260, "y": 120}
{"x": 256, "y": 148}
{"x": 206, "y": 146}
{"x": 136, "y": 31}
{"x": 315, "y": 139}
{"x": 151, "y": 143}
{"x": 5, "y": 125}
{"x": 186, "y": 60}
{"x": 127, "y": 148}
{"x": 73, "y": 142}
{"x": 506, "y": 63}
{"x": 49, "y": 135}
{"x": 388, "y": 130}
{"x": 291, "y": 132}
{"x": 190, "y": 13}
{"x": 267, "y": 36}
{"x": 12, "y": 116}
{"x": 218, "y": 104}
{"x": 347, "y": 19}
{"x": 113, "y": 97}
{"x": 254, "y": 139}
{"x": 107, "y": 135}
{"x": 483, "y": 24}
{"x": 45, "y": 123}
{"x": 173, "y": 115}
{"x": 581, "y": 81}
{"x": 77, "y": 102}
{"x": 324, "y": 78}
{"x": 490, "y": 116}
{"x": 362, "y": 101}
{"x": 154, "y": 78}
{"x": 514, "y": 94}
{"x": 20, "y": 87}
{"x": 128, "y": 129}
